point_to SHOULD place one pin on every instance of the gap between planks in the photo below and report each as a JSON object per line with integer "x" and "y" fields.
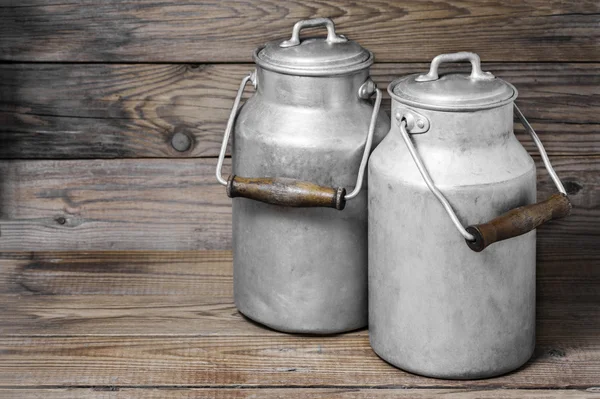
{"x": 184, "y": 392}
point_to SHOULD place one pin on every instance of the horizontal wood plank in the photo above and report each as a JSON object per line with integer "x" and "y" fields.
{"x": 561, "y": 322}
{"x": 278, "y": 360}
{"x": 204, "y": 275}
{"x": 229, "y": 31}
{"x": 110, "y": 392}
{"x": 113, "y": 204}
{"x": 113, "y": 320}
{"x": 191, "y": 273}
{"x": 58, "y": 111}
{"x": 177, "y": 205}
{"x": 190, "y": 293}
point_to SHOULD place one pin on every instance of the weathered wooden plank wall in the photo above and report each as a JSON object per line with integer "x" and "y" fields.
{"x": 58, "y": 111}
{"x": 229, "y": 30}
{"x": 92, "y": 93}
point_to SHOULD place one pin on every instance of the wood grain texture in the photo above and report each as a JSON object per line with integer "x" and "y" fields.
{"x": 113, "y": 204}
{"x": 58, "y": 111}
{"x": 229, "y": 361}
{"x": 228, "y": 31}
{"x": 519, "y": 221}
{"x": 286, "y": 192}
{"x": 178, "y": 205}
{"x": 295, "y": 393}
{"x": 119, "y": 320}
{"x": 561, "y": 322}
{"x": 65, "y": 294}
{"x": 163, "y": 324}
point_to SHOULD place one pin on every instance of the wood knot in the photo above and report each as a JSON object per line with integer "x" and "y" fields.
{"x": 572, "y": 187}
{"x": 557, "y": 353}
{"x": 181, "y": 142}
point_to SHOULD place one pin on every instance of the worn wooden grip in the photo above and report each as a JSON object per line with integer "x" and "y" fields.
{"x": 518, "y": 221}
{"x": 286, "y": 192}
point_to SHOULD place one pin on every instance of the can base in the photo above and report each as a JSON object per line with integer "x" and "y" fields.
{"x": 449, "y": 375}
{"x": 308, "y": 330}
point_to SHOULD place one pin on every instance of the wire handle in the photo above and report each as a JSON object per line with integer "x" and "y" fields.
{"x": 511, "y": 224}
{"x": 292, "y": 192}
{"x": 230, "y": 122}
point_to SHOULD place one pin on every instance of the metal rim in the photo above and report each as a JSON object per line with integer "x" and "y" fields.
{"x": 321, "y": 71}
{"x": 432, "y": 107}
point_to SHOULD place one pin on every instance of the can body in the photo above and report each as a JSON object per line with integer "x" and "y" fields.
{"x": 303, "y": 269}
{"x": 437, "y": 308}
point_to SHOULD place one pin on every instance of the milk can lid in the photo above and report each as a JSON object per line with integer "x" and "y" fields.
{"x": 316, "y": 56}
{"x": 453, "y": 91}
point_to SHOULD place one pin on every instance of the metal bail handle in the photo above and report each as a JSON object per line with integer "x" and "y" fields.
{"x": 526, "y": 218}
{"x": 230, "y": 122}
{"x": 476, "y": 72}
{"x": 292, "y": 192}
{"x": 511, "y": 224}
{"x": 332, "y": 37}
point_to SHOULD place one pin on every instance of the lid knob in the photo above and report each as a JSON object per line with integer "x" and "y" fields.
{"x": 332, "y": 37}
{"x": 476, "y": 72}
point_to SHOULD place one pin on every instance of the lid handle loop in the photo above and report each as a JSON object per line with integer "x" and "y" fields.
{"x": 476, "y": 72}
{"x": 332, "y": 37}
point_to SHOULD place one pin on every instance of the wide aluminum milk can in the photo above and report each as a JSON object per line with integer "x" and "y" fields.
{"x": 300, "y": 149}
{"x": 438, "y": 306}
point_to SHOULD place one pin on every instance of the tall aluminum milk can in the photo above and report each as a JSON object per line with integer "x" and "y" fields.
{"x": 299, "y": 238}
{"x": 437, "y": 306}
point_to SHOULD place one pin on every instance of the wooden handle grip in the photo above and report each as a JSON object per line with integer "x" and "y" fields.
{"x": 518, "y": 221}
{"x": 286, "y": 192}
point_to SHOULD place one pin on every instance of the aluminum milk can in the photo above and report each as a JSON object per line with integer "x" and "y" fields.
{"x": 300, "y": 148}
{"x": 438, "y": 306}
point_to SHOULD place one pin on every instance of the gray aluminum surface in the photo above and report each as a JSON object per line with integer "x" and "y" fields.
{"x": 304, "y": 270}
{"x": 436, "y": 307}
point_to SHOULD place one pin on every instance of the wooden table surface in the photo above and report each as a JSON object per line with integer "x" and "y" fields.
{"x": 163, "y": 325}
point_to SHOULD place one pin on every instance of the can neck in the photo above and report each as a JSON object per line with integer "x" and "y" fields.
{"x": 466, "y": 129}
{"x": 310, "y": 91}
